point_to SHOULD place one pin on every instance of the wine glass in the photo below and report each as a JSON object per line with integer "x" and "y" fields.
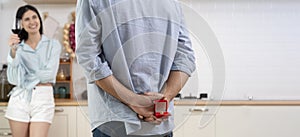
{"x": 17, "y": 29}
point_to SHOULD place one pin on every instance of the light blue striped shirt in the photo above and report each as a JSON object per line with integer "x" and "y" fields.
{"x": 33, "y": 66}
{"x": 137, "y": 41}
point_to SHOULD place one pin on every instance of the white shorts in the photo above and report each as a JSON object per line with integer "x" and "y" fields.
{"x": 39, "y": 109}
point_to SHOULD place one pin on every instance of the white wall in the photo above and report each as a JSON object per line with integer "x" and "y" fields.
{"x": 261, "y": 46}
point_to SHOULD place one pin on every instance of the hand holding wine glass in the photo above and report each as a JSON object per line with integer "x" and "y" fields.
{"x": 13, "y": 42}
{"x": 14, "y": 39}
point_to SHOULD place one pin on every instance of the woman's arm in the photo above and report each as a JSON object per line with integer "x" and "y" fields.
{"x": 48, "y": 71}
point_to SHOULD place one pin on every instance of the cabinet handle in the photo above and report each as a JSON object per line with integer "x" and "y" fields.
{"x": 198, "y": 109}
{"x": 5, "y": 133}
{"x": 59, "y": 110}
{"x": 2, "y": 110}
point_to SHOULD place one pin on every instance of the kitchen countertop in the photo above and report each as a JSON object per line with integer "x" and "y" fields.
{"x": 193, "y": 102}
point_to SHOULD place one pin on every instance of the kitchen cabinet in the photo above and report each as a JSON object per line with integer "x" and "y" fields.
{"x": 5, "y": 133}
{"x": 238, "y": 121}
{"x": 258, "y": 121}
{"x": 64, "y": 81}
{"x": 70, "y": 121}
{"x": 229, "y": 121}
{"x": 4, "y": 126}
{"x": 50, "y": 1}
{"x": 84, "y": 128}
{"x": 64, "y": 122}
{"x": 192, "y": 121}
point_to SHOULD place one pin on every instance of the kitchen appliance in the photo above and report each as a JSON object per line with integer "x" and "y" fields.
{"x": 5, "y": 87}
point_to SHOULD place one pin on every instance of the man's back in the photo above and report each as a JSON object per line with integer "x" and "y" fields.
{"x": 137, "y": 41}
{"x": 143, "y": 34}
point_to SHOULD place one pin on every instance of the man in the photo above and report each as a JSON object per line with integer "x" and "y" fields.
{"x": 133, "y": 52}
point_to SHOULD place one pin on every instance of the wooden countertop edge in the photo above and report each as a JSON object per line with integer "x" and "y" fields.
{"x": 62, "y": 102}
{"x": 70, "y": 102}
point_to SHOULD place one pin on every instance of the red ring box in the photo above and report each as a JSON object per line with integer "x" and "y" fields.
{"x": 161, "y": 108}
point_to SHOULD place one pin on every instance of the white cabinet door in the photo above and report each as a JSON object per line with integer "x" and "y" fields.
{"x": 5, "y": 133}
{"x": 64, "y": 122}
{"x": 3, "y": 121}
{"x": 194, "y": 122}
{"x": 83, "y": 126}
{"x": 4, "y": 126}
{"x": 258, "y": 121}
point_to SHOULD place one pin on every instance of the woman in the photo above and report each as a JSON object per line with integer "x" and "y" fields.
{"x": 32, "y": 66}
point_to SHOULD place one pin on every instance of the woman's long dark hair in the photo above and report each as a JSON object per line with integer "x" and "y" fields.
{"x": 23, "y": 34}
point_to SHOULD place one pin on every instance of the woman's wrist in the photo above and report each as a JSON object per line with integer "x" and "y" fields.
{"x": 13, "y": 52}
{"x": 14, "y": 47}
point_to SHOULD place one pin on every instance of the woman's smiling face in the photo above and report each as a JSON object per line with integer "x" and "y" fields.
{"x": 31, "y": 22}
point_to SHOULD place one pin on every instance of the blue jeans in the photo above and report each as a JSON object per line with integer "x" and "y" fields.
{"x": 98, "y": 133}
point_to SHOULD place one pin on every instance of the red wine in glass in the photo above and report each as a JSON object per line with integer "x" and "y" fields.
{"x": 16, "y": 31}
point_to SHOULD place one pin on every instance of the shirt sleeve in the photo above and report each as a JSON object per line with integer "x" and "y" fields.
{"x": 184, "y": 58}
{"x": 48, "y": 71}
{"x": 13, "y": 69}
{"x": 88, "y": 42}
{"x": 13, "y": 62}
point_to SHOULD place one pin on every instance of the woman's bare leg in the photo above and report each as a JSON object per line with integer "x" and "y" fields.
{"x": 39, "y": 129}
{"x": 19, "y": 129}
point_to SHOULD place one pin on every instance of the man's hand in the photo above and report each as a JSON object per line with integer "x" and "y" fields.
{"x": 144, "y": 105}
{"x": 151, "y": 118}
